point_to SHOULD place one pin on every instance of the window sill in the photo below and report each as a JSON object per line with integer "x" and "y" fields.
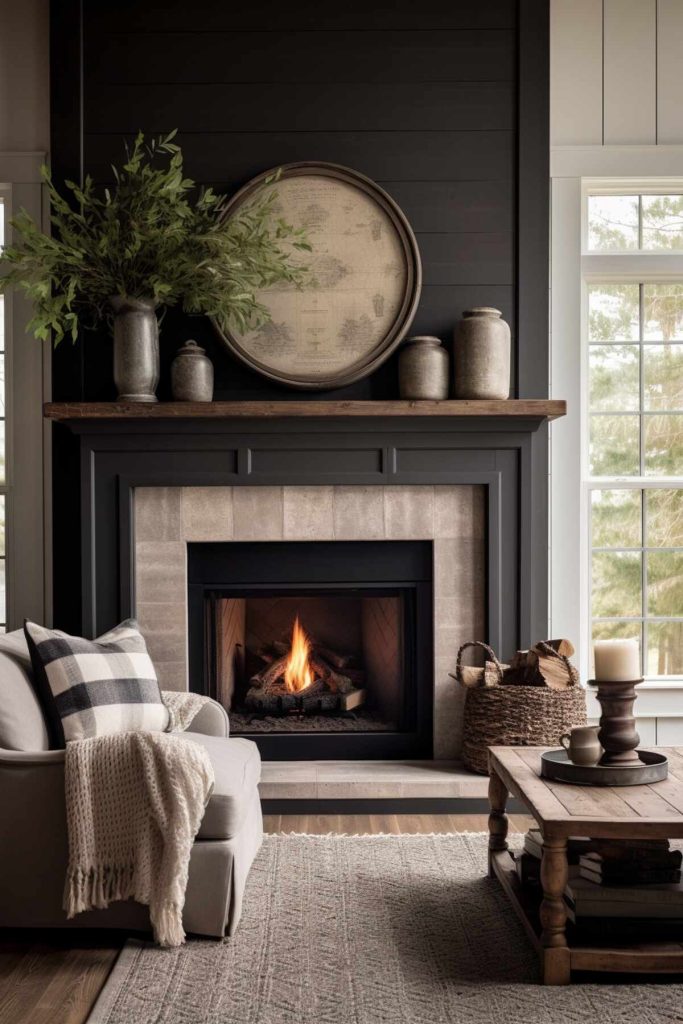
{"x": 656, "y": 698}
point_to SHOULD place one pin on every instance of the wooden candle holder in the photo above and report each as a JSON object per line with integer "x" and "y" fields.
{"x": 618, "y": 734}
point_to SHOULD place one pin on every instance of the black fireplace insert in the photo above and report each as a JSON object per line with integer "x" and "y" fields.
{"x": 316, "y": 649}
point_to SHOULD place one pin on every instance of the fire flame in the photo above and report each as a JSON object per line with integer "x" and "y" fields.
{"x": 298, "y": 674}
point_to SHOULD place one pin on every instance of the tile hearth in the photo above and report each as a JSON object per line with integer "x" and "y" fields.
{"x": 370, "y": 780}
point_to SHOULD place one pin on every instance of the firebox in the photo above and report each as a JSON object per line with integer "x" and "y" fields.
{"x": 316, "y": 649}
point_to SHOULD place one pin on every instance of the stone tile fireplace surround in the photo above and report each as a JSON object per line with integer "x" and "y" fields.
{"x": 453, "y": 518}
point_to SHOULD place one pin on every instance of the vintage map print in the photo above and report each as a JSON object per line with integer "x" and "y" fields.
{"x": 363, "y": 287}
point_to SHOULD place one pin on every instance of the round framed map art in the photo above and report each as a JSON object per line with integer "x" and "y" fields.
{"x": 363, "y": 285}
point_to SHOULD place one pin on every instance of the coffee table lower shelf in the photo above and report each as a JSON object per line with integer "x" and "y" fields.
{"x": 652, "y": 957}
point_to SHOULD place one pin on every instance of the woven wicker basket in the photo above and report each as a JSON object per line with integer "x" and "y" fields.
{"x": 514, "y": 715}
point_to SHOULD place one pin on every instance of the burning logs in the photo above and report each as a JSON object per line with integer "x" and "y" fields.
{"x": 304, "y": 676}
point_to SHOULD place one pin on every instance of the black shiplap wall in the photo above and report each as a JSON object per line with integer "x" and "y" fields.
{"x": 422, "y": 97}
{"x": 444, "y": 102}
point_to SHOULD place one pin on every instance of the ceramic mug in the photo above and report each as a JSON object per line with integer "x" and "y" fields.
{"x": 582, "y": 744}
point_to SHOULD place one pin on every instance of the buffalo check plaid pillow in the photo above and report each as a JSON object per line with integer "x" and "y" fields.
{"x": 94, "y": 687}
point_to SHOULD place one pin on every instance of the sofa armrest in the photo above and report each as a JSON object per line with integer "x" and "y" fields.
{"x": 30, "y": 758}
{"x": 211, "y": 720}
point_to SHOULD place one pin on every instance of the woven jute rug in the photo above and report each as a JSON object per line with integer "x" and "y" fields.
{"x": 367, "y": 930}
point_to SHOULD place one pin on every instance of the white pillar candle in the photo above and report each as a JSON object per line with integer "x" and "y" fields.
{"x": 617, "y": 660}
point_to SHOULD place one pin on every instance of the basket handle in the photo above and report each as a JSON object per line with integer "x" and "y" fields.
{"x": 552, "y": 653}
{"x": 489, "y": 651}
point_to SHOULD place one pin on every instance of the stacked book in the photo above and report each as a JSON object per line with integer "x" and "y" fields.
{"x": 634, "y": 879}
{"x": 638, "y": 862}
{"x": 608, "y": 878}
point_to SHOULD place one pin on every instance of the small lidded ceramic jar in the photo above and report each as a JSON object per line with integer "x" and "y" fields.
{"x": 192, "y": 374}
{"x": 423, "y": 369}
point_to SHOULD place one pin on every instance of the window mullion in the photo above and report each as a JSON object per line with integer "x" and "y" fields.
{"x": 643, "y": 581}
{"x": 641, "y": 392}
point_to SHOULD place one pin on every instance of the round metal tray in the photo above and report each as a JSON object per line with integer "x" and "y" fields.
{"x": 555, "y": 764}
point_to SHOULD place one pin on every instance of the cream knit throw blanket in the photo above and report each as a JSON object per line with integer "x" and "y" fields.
{"x": 134, "y": 803}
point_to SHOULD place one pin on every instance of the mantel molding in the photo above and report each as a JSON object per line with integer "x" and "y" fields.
{"x": 513, "y": 408}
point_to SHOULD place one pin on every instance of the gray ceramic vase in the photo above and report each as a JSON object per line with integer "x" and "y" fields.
{"x": 482, "y": 355}
{"x": 136, "y": 349}
{"x": 192, "y": 374}
{"x": 423, "y": 369}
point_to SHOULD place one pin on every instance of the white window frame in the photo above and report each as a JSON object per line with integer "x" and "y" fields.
{"x": 576, "y": 171}
{"x": 28, "y": 486}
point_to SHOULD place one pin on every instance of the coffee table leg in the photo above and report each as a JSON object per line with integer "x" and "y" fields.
{"x": 555, "y": 953}
{"x": 498, "y": 820}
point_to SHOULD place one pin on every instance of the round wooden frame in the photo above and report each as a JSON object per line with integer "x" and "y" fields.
{"x": 374, "y": 358}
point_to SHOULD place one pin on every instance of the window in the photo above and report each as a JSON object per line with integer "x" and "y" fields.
{"x": 632, "y": 451}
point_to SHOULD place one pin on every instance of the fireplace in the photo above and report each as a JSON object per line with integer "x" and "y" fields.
{"x": 319, "y": 649}
{"x": 428, "y": 550}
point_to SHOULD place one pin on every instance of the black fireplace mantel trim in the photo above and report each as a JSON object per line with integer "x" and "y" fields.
{"x": 118, "y": 456}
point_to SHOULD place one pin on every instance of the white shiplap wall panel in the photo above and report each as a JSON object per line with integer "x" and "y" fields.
{"x": 632, "y": 47}
{"x": 576, "y": 72}
{"x": 647, "y": 730}
{"x": 669, "y": 732}
{"x": 630, "y": 77}
{"x": 669, "y": 71}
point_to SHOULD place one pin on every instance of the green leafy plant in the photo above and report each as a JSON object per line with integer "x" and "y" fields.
{"x": 152, "y": 236}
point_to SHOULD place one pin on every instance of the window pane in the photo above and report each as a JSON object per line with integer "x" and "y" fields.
{"x": 662, "y": 311}
{"x": 662, "y": 222}
{"x": 612, "y": 223}
{"x": 614, "y": 377}
{"x": 665, "y": 649}
{"x": 613, "y": 312}
{"x": 614, "y": 630}
{"x": 664, "y": 445}
{"x": 616, "y": 584}
{"x": 663, "y": 377}
{"x": 615, "y": 519}
{"x": 664, "y": 519}
{"x": 614, "y": 445}
{"x": 665, "y": 583}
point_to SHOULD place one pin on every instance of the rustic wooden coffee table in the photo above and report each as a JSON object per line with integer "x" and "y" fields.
{"x": 561, "y": 810}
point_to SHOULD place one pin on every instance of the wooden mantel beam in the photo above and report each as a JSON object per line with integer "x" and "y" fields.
{"x": 520, "y": 407}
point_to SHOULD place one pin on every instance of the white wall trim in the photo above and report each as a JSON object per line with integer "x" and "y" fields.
{"x": 616, "y": 161}
{"x": 567, "y": 585}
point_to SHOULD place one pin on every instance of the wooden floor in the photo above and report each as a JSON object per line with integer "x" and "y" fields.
{"x": 50, "y": 978}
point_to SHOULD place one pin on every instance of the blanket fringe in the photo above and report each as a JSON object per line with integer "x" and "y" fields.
{"x": 167, "y": 924}
{"x": 96, "y": 888}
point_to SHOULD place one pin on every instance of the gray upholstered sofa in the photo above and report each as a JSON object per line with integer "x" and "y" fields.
{"x": 33, "y": 842}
